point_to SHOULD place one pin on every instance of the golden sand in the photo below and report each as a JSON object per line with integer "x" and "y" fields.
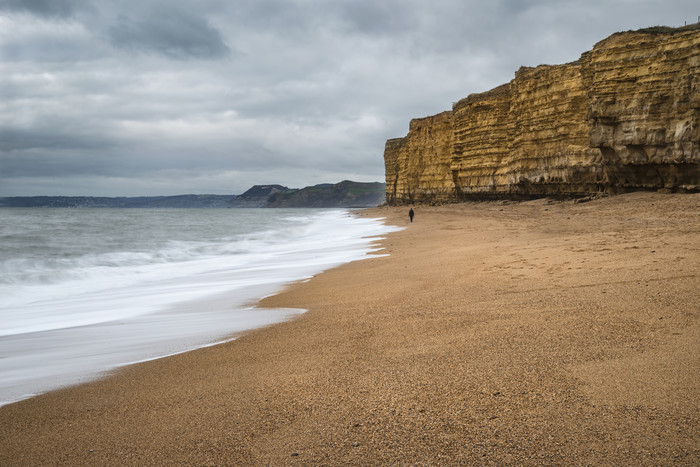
{"x": 538, "y": 332}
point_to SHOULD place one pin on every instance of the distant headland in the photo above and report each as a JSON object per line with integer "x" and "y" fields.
{"x": 624, "y": 117}
{"x": 346, "y": 194}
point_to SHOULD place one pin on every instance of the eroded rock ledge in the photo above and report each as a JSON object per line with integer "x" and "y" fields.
{"x": 623, "y": 117}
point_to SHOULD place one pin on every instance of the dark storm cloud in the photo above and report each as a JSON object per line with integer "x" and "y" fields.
{"x": 170, "y": 32}
{"x": 150, "y": 97}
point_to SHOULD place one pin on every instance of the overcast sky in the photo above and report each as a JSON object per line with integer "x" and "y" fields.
{"x": 146, "y": 97}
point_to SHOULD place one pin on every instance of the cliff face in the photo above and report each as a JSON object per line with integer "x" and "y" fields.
{"x": 625, "y": 116}
{"x": 418, "y": 163}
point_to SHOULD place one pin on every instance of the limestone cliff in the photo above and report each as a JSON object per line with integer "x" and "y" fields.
{"x": 625, "y": 116}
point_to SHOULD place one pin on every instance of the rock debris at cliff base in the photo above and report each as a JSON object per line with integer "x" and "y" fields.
{"x": 624, "y": 117}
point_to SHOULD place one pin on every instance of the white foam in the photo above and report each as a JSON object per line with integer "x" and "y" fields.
{"x": 99, "y": 311}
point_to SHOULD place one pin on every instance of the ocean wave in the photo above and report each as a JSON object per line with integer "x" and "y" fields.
{"x": 76, "y": 284}
{"x": 96, "y": 289}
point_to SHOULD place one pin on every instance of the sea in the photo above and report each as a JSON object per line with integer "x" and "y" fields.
{"x": 85, "y": 291}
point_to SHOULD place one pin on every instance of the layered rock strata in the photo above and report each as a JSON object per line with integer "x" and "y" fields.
{"x": 625, "y": 116}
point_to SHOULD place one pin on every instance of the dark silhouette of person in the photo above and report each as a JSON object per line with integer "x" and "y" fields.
{"x": 411, "y": 214}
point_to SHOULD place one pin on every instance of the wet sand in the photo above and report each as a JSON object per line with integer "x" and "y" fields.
{"x": 539, "y": 332}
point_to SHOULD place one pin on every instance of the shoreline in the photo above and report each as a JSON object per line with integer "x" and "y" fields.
{"x": 52, "y": 340}
{"x": 532, "y": 332}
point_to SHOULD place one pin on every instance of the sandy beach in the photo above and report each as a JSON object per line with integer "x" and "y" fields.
{"x": 540, "y": 332}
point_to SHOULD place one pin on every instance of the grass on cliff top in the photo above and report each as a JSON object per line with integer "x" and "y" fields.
{"x": 668, "y": 29}
{"x": 362, "y": 190}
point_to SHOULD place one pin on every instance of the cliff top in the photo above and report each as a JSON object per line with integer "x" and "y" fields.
{"x": 653, "y": 31}
{"x": 416, "y": 122}
{"x": 480, "y": 96}
{"x": 666, "y": 29}
{"x": 504, "y": 88}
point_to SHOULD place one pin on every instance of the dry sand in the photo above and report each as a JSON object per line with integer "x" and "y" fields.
{"x": 525, "y": 333}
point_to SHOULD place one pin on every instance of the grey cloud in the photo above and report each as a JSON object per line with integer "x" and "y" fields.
{"x": 12, "y": 139}
{"x": 285, "y": 18}
{"x": 379, "y": 18}
{"x": 44, "y": 8}
{"x": 55, "y": 163}
{"x": 170, "y": 32}
{"x": 136, "y": 97}
{"x": 49, "y": 48}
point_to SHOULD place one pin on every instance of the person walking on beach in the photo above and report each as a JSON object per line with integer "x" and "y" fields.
{"x": 411, "y": 214}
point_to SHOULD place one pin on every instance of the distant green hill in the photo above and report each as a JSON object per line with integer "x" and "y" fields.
{"x": 257, "y": 196}
{"x": 345, "y": 194}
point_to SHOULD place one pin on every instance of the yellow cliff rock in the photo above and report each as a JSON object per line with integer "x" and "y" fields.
{"x": 625, "y": 116}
